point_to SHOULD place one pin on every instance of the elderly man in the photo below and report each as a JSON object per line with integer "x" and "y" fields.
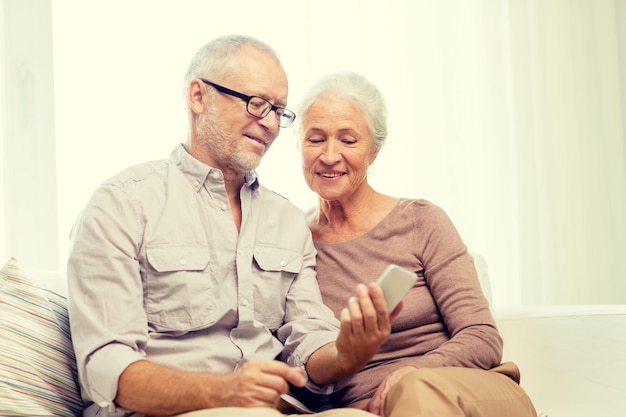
{"x": 193, "y": 287}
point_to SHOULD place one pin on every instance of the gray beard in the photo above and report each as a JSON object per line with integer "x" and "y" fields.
{"x": 225, "y": 149}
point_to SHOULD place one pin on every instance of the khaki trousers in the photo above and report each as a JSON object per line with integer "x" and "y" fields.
{"x": 458, "y": 392}
{"x": 271, "y": 412}
{"x": 426, "y": 392}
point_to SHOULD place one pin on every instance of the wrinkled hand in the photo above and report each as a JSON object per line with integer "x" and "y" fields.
{"x": 377, "y": 403}
{"x": 365, "y": 326}
{"x": 260, "y": 383}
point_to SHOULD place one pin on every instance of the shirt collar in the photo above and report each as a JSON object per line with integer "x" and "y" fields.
{"x": 197, "y": 173}
{"x": 252, "y": 179}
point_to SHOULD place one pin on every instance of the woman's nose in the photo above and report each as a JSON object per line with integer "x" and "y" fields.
{"x": 330, "y": 153}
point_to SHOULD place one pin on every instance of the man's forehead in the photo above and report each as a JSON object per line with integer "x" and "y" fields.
{"x": 261, "y": 73}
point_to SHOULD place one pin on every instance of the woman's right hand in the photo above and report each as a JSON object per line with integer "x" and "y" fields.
{"x": 365, "y": 326}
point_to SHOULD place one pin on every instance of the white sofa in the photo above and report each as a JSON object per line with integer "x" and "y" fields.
{"x": 572, "y": 358}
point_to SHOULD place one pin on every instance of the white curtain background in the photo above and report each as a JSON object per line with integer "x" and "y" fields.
{"x": 509, "y": 114}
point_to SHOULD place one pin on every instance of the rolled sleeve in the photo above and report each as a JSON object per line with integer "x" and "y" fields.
{"x": 103, "y": 370}
{"x": 306, "y": 348}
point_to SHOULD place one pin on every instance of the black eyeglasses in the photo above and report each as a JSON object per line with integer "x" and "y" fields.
{"x": 258, "y": 106}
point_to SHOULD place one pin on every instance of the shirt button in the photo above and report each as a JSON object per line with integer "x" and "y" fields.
{"x": 222, "y": 206}
{"x": 245, "y": 302}
{"x": 215, "y": 174}
{"x": 196, "y": 183}
{"x": 283, "y": 263}
{"x": 182, "y": 261}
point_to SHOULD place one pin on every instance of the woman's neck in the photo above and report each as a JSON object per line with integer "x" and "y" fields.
{"x": 338, "y": 221}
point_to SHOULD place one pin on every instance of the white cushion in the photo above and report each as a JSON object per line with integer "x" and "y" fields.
{"x": 55, "y": 281}
{"x": 483, "y": 275}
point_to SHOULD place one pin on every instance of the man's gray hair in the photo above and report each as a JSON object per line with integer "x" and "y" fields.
{"x": 216, "y": 59}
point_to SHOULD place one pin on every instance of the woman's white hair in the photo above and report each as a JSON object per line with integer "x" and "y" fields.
{"x": 358, "y": 90}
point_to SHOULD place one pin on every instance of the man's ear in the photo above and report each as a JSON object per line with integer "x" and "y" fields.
{"x": 195, "y": 93}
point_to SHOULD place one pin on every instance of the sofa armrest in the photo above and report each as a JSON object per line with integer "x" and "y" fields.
{"x": 572, "y": 357}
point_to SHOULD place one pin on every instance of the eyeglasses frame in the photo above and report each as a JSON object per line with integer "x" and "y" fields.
{"x": 247, "y": 100}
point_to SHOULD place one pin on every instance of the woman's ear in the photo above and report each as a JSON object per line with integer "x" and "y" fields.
{"x": 195, "y": 93}
{"x": 373, "y": 156}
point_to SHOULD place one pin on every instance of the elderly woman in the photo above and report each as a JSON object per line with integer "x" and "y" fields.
{"x": 444, "y": 354}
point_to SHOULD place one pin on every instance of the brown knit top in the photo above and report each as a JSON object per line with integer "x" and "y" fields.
{"x": 445, "y": 320}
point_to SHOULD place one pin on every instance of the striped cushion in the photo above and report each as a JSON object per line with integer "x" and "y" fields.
{"x": 37, "y": 365}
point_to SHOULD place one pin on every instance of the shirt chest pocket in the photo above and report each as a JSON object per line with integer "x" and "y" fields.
{"x": 179, "y": 288}
{"x": 278, "y": 268}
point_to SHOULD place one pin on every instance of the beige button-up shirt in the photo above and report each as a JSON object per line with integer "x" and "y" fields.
{"x": 157, "y": 270}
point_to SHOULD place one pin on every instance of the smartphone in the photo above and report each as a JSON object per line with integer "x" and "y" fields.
{"x": 395, "y": 281}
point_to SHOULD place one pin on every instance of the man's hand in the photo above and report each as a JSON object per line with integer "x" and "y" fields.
{"x": 260, "y": 383}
